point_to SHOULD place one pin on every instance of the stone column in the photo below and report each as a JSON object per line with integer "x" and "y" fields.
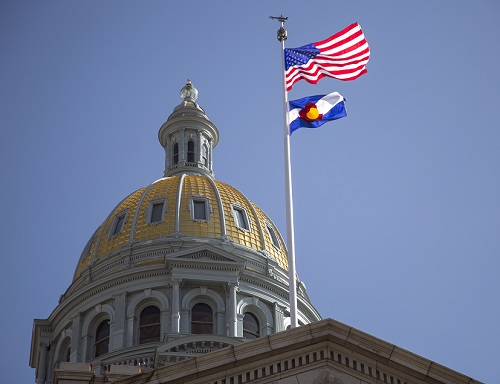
{"x": 130, "y": 331}
{"x": 168, "y": 154}
{"x": 182, "y": 147}
{"x": 76, "y": 330}
{"x": 51, "y": 355}
{"x": 198, "y": 150}
{"x": 279, "y": 318}
{"x": 233, "y": 319}
{"x": 175, "y": 304}
{"x": 119, "y": 322}
{"x": 41, "y": 371}
{"x": 209, "y": 155}
{"x": 163, "y": 324}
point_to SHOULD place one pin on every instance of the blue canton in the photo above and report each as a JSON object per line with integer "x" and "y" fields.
{"x": 300, "y": 55}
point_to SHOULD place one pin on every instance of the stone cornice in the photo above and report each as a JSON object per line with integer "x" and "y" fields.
{"x": 40, "y": 334}
{"x": 149, "y": 260}
{"x": 327, "y": 344}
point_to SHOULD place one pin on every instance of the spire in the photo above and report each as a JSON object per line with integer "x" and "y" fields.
{"x": 188, "y": 137}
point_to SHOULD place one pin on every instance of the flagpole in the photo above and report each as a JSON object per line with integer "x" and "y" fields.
{"x": 292, "y": 282}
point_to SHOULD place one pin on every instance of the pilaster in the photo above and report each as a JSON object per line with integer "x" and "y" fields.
{"x": 233, "y": 319}
{"x": 176, "y": 305}
{"x": 279, "y": 318}
{"x": 119, "y": 334}
{"x": 41, "y": 371}
{"x": 76, "y": 331}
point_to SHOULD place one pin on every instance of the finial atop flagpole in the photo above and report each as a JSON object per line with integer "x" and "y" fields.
{"x": 282, "y": 30}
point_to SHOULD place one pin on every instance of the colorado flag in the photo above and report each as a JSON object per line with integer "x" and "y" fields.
{"x": 314, "y": 111}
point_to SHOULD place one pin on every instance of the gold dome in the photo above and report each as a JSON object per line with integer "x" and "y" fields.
{"x": 224, "y": 207}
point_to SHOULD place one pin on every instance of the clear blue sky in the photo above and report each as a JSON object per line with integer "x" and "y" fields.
{"x": 397, "y": 206}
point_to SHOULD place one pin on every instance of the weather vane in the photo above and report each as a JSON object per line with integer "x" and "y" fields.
{"x": 282, "y": 30}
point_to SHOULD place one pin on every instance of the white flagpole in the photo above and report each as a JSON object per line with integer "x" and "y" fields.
{"x": 292, "y": 282}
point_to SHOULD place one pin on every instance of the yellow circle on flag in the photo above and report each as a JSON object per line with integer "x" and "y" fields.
{"x": 312, "y": 114}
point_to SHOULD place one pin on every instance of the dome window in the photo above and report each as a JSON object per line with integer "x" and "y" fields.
{"x": 88, "y": 246}
{"x": 175, "y": 152}
{"x": 199, "y": 209}
{"x": 156, "y": 211}
{"x": 102, "y": 338}
{"x": 274, "y": 238}
{"x": 190, "y": 152}
{"x": 202, "y": 319}
{"x": 251, "y": 327}
{"x": 149, "y": 328}
{"x": 117, "y": 225}
{"x": 241, "y": 217}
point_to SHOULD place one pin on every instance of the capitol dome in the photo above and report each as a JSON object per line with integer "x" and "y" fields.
{"x": 181, "y": 267}
{"x": 184, "y": 208}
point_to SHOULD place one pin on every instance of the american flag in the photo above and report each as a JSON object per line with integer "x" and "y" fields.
{"x": 342, "y": 56}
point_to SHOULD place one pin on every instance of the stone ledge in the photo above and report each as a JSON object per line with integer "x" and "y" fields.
{"x": 123, "y": 369}
{"x": 75, "y": 367}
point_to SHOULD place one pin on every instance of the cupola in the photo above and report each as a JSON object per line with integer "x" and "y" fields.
{"x": 188, "y": 137}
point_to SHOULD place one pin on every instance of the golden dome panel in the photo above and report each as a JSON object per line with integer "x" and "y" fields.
{"x": 251, "y": 238}
{"x": 199, "y": 186}
{"x": 275, "y": 252}
{"x": 87, "y": 253}
{"x": 108, "y": 242}
{"x": 163, "y": 189}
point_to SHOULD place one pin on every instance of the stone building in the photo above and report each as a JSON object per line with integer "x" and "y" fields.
{"x": 186, "y": 281}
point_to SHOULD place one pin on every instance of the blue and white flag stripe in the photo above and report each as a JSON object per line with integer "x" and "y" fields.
{"x": 331, "y": 106}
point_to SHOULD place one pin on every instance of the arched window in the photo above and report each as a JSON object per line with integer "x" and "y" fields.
{"x": 67, "y": 355}
{"x": 102, "y": 338}
{"x": 251, "y": 327}
{"x": 202, "y": 319}
{"x": 190, "y": 152}
{"x": 176, "y": 153}
{"x": 64, "y": 351}
{"x": 149, "y": 325}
